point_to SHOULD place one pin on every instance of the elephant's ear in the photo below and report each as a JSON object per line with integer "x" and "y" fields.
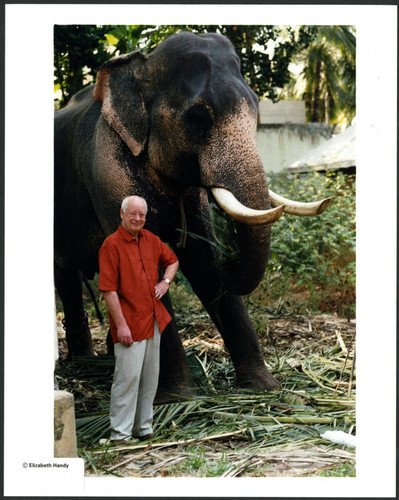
{"x": 122, "y": 101}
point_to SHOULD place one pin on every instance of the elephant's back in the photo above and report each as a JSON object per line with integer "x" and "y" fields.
{"x": 81, "y": 106}
{"x": 74, "y": 123}
{"x": 77, "y": 234}
{"x": 83, "y": 95}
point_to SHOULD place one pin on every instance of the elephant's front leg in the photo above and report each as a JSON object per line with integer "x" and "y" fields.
{"x": 241, "y": 340}
{"x": 227, "y": 310}
{"x": 231, "y": 318}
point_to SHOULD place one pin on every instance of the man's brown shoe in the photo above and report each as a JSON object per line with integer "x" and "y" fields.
{"x": 144, "y": 438}
{"x": 118, "y": 442}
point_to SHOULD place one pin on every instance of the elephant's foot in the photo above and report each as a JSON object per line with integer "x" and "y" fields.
{"x": 174, "y": 391}
{"x": 80, "y": 350}
{"x": 79, "y": 339}
{"x": 259, "y": 379}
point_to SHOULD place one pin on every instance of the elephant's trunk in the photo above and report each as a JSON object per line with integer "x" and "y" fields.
{"x": 231, "y": 162}
{"x": 254, "y": 243}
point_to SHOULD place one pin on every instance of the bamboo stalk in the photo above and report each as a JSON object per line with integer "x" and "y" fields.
{"x": 313, "y": 377}
{"x": 352, "y": 372}
{"x": 237, "y": 470}
{"x": 280, "y": 420}
{"x": 341, "y": 342}
{"x": 346, "y": 360}
{"x": 130, "y": 459}
{"x": 334, "y": 402}
{"x": 172, "y": 443}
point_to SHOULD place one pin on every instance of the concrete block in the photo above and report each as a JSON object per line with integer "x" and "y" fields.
{"x": 64, "y": 425}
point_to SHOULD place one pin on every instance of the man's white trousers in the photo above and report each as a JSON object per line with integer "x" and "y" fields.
{"x": 134, "y": 387}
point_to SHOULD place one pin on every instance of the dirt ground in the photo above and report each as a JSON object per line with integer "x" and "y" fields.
{"x": 313, "y": 333}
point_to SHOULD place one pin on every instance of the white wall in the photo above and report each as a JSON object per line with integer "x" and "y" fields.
{"x": 282, "y": 111}
{"x": 280, "y": 144}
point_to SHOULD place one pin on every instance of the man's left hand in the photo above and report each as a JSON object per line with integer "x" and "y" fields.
{"x": 160, "y": 289}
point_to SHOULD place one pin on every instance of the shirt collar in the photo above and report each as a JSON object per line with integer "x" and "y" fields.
{"x": 126, "y": 235}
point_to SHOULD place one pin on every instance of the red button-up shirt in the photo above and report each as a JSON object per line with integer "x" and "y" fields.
{"x": 130, "y": 268}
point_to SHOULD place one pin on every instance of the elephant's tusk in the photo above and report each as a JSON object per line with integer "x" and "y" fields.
{"x": 229, "y": 203}
{"x": 298, "y": 207}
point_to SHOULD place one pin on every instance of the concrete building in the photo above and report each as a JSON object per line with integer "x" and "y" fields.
{"x": 283, "y": 136}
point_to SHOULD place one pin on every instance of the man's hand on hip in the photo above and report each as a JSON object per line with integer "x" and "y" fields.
{"x": 160, "y": 289}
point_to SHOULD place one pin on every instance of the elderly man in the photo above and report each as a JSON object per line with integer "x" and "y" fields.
{"x": 129, "y": 262}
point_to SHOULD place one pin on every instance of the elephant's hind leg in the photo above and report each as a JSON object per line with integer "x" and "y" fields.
{"x": 69, "y": 286}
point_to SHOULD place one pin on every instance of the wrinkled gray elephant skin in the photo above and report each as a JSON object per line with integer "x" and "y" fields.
{"x": 169, "y": 127}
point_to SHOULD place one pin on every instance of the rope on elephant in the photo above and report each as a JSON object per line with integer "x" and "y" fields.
{"x": 183, "y": 235}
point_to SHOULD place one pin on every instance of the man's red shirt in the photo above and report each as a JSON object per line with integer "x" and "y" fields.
{"x": 130, "y": 268}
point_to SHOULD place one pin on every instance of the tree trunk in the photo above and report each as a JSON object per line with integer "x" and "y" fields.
{"x": 327, "y": 109}
{"x": 315, "y": 115}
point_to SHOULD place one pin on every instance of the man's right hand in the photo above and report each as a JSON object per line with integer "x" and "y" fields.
{"x": 123, "y": 332}
{"x": 124, "y": 336}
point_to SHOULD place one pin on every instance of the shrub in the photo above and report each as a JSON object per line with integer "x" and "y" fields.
{"x": 182, "y": 295}
{"x": 316, "y": 254}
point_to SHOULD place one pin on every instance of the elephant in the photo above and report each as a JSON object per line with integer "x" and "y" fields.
{"x": 177, "y": 127}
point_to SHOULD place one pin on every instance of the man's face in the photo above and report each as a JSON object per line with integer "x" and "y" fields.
{"x": 133, "y": 218}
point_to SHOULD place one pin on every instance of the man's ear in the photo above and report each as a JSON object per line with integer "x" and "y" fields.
{"x": 122, "y": 101}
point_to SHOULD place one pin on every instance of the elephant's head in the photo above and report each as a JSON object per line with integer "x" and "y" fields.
{"x": 188, "y": 106}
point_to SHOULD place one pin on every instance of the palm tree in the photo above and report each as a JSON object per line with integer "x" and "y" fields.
{"x": 327, "y": 80}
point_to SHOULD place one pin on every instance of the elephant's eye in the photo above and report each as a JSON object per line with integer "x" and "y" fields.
{"x": 198, "y": 119}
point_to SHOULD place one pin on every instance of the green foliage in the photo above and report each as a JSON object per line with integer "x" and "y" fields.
{"x": 225, "y": 234}
{"x": 327, "y": 80}
{"x": 316, "y": 254}
{"x": 125, "y": 38}
{"x": 343, "y": 470}
{"x": 182, "y": 295}
{"x": 78, "y": 52}
{"x": 197, "y": 464}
